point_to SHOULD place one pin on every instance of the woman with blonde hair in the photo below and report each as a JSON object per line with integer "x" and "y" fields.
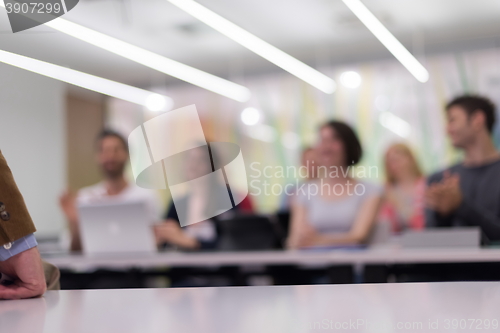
{"x": 403, "y": 205}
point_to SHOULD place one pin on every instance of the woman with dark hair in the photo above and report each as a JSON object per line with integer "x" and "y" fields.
{"x": 336, "y": 208}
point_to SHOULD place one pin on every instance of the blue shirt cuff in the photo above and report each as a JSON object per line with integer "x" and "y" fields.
{"x": 20, "y": 245}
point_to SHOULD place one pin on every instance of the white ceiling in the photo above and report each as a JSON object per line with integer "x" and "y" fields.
{"x": 318, "y": 32}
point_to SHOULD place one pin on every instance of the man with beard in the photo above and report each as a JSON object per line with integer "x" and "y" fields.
{"x": 468, "y": 193}
{"x": 112, "y": 156}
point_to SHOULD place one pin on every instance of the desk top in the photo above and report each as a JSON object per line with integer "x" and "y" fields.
{"x": 420, "y": 307}
{"x": 324, "y": 257}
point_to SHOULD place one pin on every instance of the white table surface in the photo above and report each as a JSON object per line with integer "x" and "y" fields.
{"x": 355, "y": 257}
{"x": 360, "y": 308}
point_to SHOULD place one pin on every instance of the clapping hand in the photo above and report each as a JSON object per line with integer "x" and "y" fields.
{"x": 445, "y": 197}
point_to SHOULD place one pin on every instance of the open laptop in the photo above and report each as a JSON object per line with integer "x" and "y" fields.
{"x": 464, "y": 237}
{"x": 116, "y": 227}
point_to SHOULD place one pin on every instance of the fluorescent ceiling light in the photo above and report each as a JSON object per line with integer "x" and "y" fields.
{"x": 261, "y": 132}
{"x": 388, "y": 39}
{"x": 152, "y": 60}
{"x": 153, "y": 101}
{"x": 257, "y": 45}
{"x": 395, "y": 124}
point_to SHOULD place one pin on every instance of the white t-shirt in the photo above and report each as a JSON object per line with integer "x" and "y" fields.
{"x": 132, "y": 193}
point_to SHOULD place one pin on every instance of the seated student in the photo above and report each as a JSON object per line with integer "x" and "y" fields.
{"x": 468, "y": 193}
{"x": 335, "y": 209}
{"x": 309, "y": 164}
{"x": 403, "y": 201}
{"x": 112, "y": 157}
{"x": 200, "y": 201}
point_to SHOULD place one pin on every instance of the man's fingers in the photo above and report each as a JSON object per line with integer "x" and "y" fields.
{"x": 455, "y": 179}
{"x": 450, "y": 178}
{"x": 26, "y": 270}
{"x": 434, "y": 193}
{"x": 430, "y": 202}
{"x": 16, "y": 291}
{"x": 433, "y": 198}
{"x": 437, "y": 186}
{"x": 9, "y": 292}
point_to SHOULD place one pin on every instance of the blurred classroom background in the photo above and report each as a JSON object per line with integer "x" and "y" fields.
{"x": 48, "y": 127}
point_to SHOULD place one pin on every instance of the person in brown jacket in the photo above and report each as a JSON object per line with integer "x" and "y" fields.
{"x": 21, "y": 268}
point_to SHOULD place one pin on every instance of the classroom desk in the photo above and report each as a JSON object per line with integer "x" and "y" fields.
{"x": 389, "y": 256}
{"x": 412, "y": 307}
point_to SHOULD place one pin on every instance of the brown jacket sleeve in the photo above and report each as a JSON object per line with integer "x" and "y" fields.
{"x": 15, "y": 221}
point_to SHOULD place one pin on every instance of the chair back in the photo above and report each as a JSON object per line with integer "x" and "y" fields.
{"x": 247, "y": 233}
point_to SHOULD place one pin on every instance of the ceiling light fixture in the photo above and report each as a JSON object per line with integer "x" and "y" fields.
{"x": 262, "y": 132}
{"x": 257, "y": 45}
{"x": 390, "y": 42}
{"x": 152, "y": 60}
{"x": 153, "y": 101}
{"x": 395, "y": 124}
